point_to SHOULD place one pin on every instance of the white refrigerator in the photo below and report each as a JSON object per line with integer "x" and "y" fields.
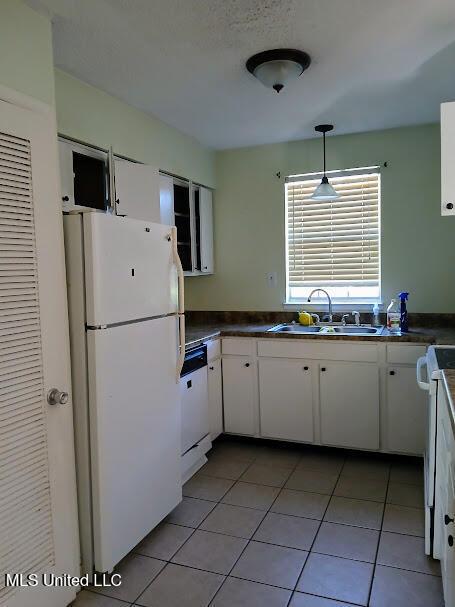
{"x": 125, "y": 285}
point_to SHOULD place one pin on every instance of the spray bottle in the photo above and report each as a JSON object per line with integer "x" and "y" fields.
{"x": 403, "y": 312}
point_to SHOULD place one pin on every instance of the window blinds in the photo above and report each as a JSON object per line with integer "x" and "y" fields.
{"x": 336, "y": 242}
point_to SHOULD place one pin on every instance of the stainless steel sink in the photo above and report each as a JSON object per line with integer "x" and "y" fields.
{"x": 294, "y": 328}
{"x": 327, "y": 329}
{"x": 357, "y": 330}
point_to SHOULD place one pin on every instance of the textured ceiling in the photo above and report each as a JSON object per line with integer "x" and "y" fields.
{"x": 376, "y": 63}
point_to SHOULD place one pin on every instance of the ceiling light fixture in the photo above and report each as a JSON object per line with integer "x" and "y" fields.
{"x": 324, "y": 191}
{"x": 277, "y": 67}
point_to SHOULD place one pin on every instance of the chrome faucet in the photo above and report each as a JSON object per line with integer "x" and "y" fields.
{"x": 330, "y": 315}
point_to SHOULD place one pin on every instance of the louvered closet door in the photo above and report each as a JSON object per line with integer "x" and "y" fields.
{"x": 38, "y": 523}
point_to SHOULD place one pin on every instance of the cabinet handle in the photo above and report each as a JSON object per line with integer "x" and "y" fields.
{"x": 65, "y": 198}
{"x": 449, "y": 205}
{"x": 450, "y": 540}
{"x": 247, "y": 364}
{"x": 391, "y": 372}
{"x": 447, "y": 520}
{"x": 323, "y": 369}
{"x": 211, "y": 368}
{"x": 305, "y": 368}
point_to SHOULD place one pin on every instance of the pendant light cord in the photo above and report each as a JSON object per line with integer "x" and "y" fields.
{"x": 323, "y": 140}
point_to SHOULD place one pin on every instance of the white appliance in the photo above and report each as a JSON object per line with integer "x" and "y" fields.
{"x": 125, "y": 286}
{"x": 195, "y": 411}
{"x": 436, "y": 359}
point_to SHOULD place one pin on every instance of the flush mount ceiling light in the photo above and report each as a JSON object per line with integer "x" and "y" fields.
{"x": 324, "y": 191}
{"x": 277, "y": 67}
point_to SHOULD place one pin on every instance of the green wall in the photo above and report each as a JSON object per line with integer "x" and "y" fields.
{"x": 90, "y": 115}
{"x": 26, "y": 63}
{"x": 418, "y": 252}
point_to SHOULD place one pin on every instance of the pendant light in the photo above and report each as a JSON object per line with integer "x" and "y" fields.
{"x": 324, "y": 191}
{"x": 277, "y": 67}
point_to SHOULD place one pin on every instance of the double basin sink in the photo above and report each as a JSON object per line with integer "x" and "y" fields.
{"x": 327, "y": 329}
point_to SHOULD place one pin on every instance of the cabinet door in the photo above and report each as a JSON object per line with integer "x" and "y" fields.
{"x": 286, "y": 399}
{"x": 447, "y": 158}
{"x": 406, "y": 411}
{"x": 206, "y": 230}
{"x": 65, "y": 153}
{"x": 349, "y": 403}
{"x": 167, "y": 200}
{"x": 240, "y": 395}
{"x": 137, "y": 191}
{"x": 215, "y": 399}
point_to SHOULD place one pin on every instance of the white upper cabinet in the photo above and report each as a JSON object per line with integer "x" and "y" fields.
{"x": 137, "y": 191}
{"x": 84, "y": 177}
{"x": 167, "y": 200}
{"x": 448, "y": 158}
{"x": 189, "y": 208}
{"x": 206, "y": 230}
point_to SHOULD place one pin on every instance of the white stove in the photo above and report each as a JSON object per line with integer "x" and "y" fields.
{"x": 436, "y": 359}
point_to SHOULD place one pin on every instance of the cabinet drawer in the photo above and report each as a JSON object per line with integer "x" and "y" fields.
{"x": 317, "y": 350}
{"x": 404, "y": 354}
{"x": 213, "y": 349}
{"x": 241, "y": 346}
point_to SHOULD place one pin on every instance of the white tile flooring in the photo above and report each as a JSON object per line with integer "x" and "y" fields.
{"x": 269, "y": 525}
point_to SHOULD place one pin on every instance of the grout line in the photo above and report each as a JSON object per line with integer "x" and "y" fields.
{"x": 310, "y": 551}
{"x": 379, "y": 538}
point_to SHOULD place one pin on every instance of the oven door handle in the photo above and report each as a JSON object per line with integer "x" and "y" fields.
{"x": 423, "y": 385}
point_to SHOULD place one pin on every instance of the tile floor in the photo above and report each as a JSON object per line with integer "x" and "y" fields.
{"x": 267, "y": 525}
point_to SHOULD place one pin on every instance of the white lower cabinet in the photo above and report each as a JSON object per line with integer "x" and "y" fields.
{"x": 215, "y": 398}
{"x": 405, "y": 411}
{"x": 353, "y": 395}
{"x": 286, "y": 399}
{"x": 240, "y": 395}
{"x": 349, "y": 404}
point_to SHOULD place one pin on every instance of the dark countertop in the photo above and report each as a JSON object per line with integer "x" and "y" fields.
{"x": 199, "y": 332}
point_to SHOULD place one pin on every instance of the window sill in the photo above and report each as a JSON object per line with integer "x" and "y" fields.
{"x": 337, "y": 306}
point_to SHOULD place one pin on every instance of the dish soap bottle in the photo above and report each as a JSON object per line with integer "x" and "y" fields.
{"x": 393, "y": 316}
{"x": 403, "y": 312}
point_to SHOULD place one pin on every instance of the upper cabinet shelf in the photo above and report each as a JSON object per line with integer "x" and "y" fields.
{"x": 448, "y": 158}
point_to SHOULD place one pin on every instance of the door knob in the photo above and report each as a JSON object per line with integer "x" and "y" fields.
{"x": 55, "y": 397}
{"x": 391, "y": 372}
{"x": 247, "y": 364}
{"x": 211, "y": 368}
{"x": 447, "y": 519}
{"x": 449, "y": 205}
{"x": 65, "y": 198}
{"x": 450, "y": 540}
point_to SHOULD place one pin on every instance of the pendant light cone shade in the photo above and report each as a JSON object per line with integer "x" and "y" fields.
{"x": 324, "y": 191}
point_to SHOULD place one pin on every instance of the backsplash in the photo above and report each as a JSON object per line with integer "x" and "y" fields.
{"x": 196, "y": 317}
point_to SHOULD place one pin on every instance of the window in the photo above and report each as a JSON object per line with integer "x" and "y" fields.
{"x": 334, "y": 245}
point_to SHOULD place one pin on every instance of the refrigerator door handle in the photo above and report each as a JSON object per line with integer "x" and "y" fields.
{"x": 181, "y": 353}
{"x": 178, "y": 265}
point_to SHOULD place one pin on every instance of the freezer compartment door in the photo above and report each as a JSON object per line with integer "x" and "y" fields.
{"x": 130, "y": 269}
{"x": 135, "y": 429}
